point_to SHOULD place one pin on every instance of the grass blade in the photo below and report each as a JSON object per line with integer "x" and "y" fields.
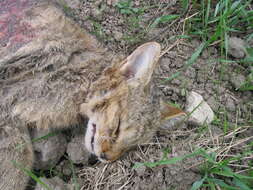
{"x": 31, "y": 174}
{"x": 39, "y": 139}
{"x": 168, "y": 161}
{"x": 196, "y": 54}
{"x": 163, "y": 19}
{"x": 241, "y": 184}
{"x": 197, "y": 184}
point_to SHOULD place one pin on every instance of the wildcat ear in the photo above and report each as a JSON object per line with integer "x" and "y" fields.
{"x": 170, "y": 115}
{"x": 140, "y": 64}
{"x": 169, "y": 111}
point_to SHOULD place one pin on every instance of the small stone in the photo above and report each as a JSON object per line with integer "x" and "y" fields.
{"x": 97, "y": 14}
{"x": 141, "y": 170}
{"x": 64, "y": 167}
{"x": 118, "y": 35}
{"x": 76, "y": 150}
{"x": 176, "y": 82}
{"x": 153, "y": 32}
{"x": 172, "y": 54}
{"x": 191, "y": 73}
{"x": 183, "y": 92}
{"x": 112, "y": 2}
{"x": 178, "y": 63}
{"x": 201, "y": 77}
{"x": 230, "y": 104}
{"x": 213, "y": 103}
{"x": 74, "y": 4}
{"x": 220, "y": 89}
{"x": 236, "y": 47}
{"x": 48, "y": 151}
{"x": 200, "y": 112}
{"x": 195, "y": 43}
{"x": 54, "y": 183}
{"x": 174, "y": 97}
{"x": 165, "y": 64}
{"x": 216, "y": 131}
{"x": 167, "y": 91}
{"x": 237, "y": 80}
{"x": 205, "y": 54}
{"x": 66, "y": 171}
{"x": 137, "y": 3}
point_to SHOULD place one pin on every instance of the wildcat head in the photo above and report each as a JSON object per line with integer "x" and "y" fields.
{"x": 122, "y": 107}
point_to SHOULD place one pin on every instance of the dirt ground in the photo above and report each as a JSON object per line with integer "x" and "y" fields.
{"x": 215, "y": 81}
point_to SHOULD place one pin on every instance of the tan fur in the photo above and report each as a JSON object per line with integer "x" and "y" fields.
{"x": 56, "y": 79}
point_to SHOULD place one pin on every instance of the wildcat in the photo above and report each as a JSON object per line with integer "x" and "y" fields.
{"x": 53, "y": 74}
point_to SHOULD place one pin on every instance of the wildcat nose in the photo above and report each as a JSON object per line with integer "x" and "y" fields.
{"x": 103, "y": 156}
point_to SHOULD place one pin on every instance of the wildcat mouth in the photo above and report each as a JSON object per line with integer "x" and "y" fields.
{"x": 93, "y": 135}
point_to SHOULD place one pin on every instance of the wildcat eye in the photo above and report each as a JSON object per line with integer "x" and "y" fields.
{"x": 103, "y": 92}
{"x": 98, "y": 106}
{"x": 93, "y": 135}
{"x": 117, "y": 130}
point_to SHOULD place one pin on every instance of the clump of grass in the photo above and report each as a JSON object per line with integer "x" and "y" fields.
{"x": 126, "y": 7}
{"x": 248, "y": 85}
{"x": 216, "y": 21}
{"x": 221, "y": 165}
{"x": 97, "y": 29}
{"x": 28, "y": 172}
{"x": 220, "y": 174}
{"x": 134, "y": 17}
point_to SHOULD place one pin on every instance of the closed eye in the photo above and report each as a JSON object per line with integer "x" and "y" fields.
{"x": 117, "y": 130}
{"x": 99, "y": 106}
{"x": 93, "y": 135}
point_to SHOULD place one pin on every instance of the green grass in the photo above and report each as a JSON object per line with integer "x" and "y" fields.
{"x": 31, "y": 174}
{"x": 126, "y": 7}
{"x": 97, "y": 29}
{"x": 216, "y": 173}
{"x": 133, "y": 17}
{"x": 45, "y": 137}
{"x": 215, "y": 22}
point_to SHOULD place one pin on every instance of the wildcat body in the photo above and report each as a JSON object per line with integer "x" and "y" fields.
{"x": 53, "y": 74}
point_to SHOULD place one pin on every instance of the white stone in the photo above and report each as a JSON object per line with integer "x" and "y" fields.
{"x": 236, "y": 47}
{"x": 199, "y": 111}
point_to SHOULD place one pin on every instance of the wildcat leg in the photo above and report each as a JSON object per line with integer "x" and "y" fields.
{"x": 15, "y": 154}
